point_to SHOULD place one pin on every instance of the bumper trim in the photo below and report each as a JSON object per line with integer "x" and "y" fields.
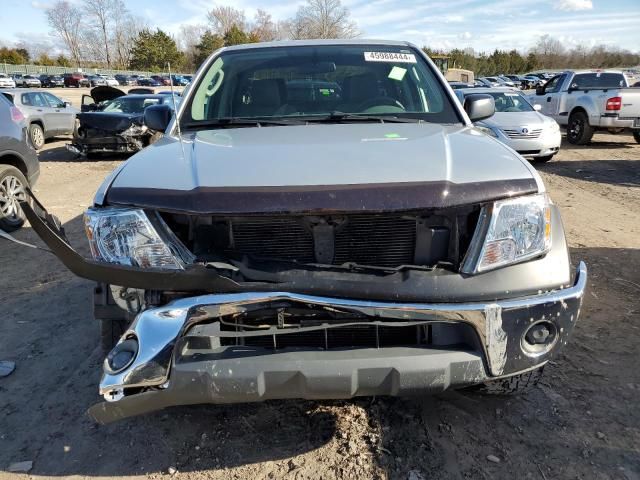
{"x": 310, "y": 375}
{"x": 499, "y": 326}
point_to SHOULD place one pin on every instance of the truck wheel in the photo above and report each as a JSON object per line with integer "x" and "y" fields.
{"x": 12, "y": 191}
{"x": 110, "y": 332}
{"x": 636, "y": 135}
{"x": 579, "y": 132}
{"x": 37, "y": 136}
{"x": 512, "y": 385}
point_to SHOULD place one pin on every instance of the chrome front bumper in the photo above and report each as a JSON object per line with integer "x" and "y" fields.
{"x": 158, "y": 377}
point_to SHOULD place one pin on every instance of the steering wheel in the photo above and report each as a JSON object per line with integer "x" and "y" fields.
{"x": 379, "y": 101}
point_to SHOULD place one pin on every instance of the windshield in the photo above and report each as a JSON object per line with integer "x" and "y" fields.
{"x": 510, "y": 102}
{"x": 129, "y": 104}
{"x": 318, "y": 81}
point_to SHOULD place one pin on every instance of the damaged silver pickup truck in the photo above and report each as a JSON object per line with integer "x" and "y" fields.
{"x": 321, "y": 220}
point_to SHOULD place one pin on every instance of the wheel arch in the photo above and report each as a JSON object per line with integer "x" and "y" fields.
{"x": 15, "y": 160}
{"x": 580, "y": 109}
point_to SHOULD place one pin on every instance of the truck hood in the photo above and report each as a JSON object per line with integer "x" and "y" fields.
{"x": 113, "y": 122}
{"x": 322, "y": 168}
{"x": 517, "y": 119}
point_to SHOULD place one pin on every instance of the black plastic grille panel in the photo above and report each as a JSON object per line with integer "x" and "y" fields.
{"x": 378, "y": 240}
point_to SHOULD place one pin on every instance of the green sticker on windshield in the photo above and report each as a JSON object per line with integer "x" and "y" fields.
{"x": 392, "y": 135}
{"x": 397, "y": 73}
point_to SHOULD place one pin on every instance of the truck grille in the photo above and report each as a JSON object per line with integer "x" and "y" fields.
{"x": 380, "y": 240}
{"x": 519, "y": 134}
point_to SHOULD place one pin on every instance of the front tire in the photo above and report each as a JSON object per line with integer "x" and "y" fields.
{"x": 579, "y": 132}
{"x": 36, "y": 134}
{"x": 12, "y": 190}
{"x": 636, "y": 135}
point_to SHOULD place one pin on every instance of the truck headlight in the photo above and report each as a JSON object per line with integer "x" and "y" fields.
{"x": 510, "y": 231}
{"x": 129, "y": 236}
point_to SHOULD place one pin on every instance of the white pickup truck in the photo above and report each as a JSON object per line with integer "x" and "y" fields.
{"x": 590, "y": 100}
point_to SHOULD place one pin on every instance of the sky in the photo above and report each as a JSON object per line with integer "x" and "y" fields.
{"x": 442, "y": 24}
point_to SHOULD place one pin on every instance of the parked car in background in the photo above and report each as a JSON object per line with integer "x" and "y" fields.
{"x": 499, "y": 81}
{"x": 111, "y": 80}
{"x": 17, "y": 79}
{"x": 276, "y": 246}
{"x": 180, "y": 81}
{"x": 51, "y": 81}
{"x": 75, "y": 80}
{"x": 458, "y": 85}
{"x": 19, "y": 167}
{"x": 125, "y": 80}
{"x": 587, "y": 101}
{"x": 520, "y": 81}
{"x": 113, "y": 122}
{"x": 489, "y": 81}
{"x": 148, "y": 82}
{"x": 162, "y": 80}
{"x": 46, "y": 115}
{"x": 97, "y": 81}
{"x": 517, "y": 124}
{"x": 6, "y": 81}
{"x": 534, "y": 82}
{"x": 30, "y": 81}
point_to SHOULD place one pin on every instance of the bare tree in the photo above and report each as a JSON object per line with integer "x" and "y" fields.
{"x": 323, "y": 19}
{"x": 126, "y": 28}
{"x": 66, "y": 20}
{"x": 102, "y": 12}
{"x": 190, "y": 37}
{"x": 264, "y": 28}
{"x": 222, "y": 18}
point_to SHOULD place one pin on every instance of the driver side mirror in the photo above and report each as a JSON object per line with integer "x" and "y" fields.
{"x": 540, "y": 90}
{"x": 479, "y": 106}
{"x": 158, "y": 117}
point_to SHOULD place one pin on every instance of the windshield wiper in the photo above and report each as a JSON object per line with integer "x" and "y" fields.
{"x": 337, "y": 116}
{"x": 239, "y": 122}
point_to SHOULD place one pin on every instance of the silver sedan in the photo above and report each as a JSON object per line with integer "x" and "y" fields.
{"x": 518, "y": 124}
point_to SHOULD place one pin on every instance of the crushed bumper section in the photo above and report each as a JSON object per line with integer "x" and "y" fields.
{"x": 183, "y": 359}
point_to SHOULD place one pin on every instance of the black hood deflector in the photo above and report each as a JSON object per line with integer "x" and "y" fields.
{"x": 321, "y": 199}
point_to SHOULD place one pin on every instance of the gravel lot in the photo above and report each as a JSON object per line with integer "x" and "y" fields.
{"x": 582, "y": 422}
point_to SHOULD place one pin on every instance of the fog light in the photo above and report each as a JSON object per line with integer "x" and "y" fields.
{"x": 121, "y": 356}
{"x": 538, "y": 334}
{"x": 539, "y": 338}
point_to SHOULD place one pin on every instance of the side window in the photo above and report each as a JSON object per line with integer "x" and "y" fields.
{"x": 34, "y": 100}
{"x": 53, "y": 101}
{"x": 554, "y": 84}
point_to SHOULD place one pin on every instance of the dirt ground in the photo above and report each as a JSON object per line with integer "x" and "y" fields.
{"x": 581, "y": 422}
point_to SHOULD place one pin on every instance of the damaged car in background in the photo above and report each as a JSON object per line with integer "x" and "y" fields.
{"x": 113, "y": 122}
{"x": 286, "y": 239}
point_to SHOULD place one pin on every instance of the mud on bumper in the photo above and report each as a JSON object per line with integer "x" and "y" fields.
{"x": 182, "y": 357}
